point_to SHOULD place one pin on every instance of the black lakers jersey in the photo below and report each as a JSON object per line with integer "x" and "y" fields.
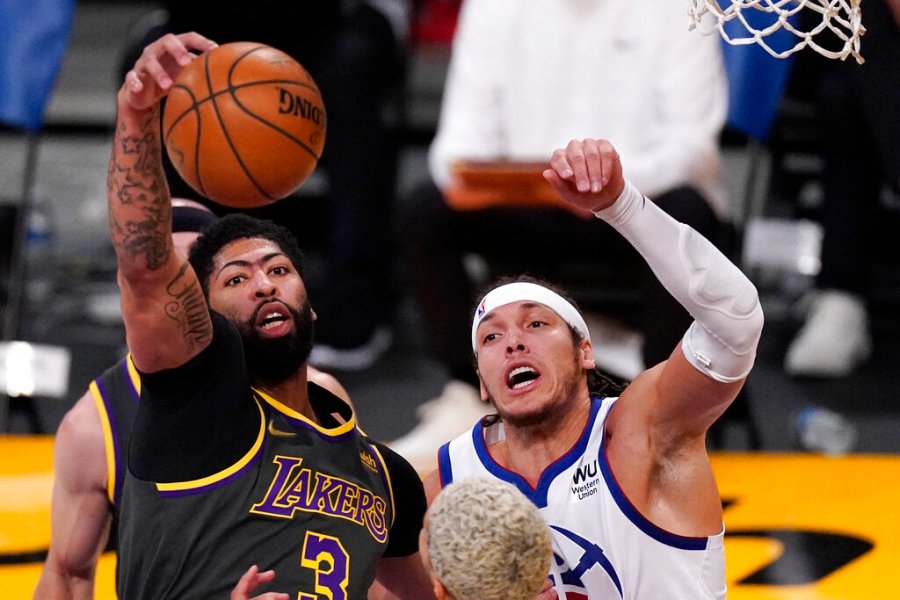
{"x": 317, "y": 502}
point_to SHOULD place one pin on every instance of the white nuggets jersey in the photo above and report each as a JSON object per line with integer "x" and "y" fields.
{"x": 603, "y": 548}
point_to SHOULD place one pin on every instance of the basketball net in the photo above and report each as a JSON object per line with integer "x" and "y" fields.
{"x": 841, "y": 18}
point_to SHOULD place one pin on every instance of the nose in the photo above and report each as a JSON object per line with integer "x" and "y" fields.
{"x": 514, "y": 343}
{"x": 263, "y": 286}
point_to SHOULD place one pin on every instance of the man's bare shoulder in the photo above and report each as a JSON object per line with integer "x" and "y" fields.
{"x": 81, "y": 422}
{"x": 79, "y": 450}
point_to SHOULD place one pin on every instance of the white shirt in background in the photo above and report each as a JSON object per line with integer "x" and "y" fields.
{"x": 526, "y": 76}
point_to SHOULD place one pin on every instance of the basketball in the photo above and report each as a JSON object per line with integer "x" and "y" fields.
{"x": 244, "y": 125}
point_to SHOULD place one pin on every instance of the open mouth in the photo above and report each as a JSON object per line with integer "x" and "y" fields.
{"x": 520, "y": 377}
{"x": 271, "y": 321}
{"x": 271, "y": 317}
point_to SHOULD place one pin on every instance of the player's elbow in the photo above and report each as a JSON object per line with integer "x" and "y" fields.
{"x": 61, "y": 580}
{"x": 747, "y": 323}
{"x": 724, "y": 347}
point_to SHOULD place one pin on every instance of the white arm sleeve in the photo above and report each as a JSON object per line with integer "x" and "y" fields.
{"x": 722, "y": 340}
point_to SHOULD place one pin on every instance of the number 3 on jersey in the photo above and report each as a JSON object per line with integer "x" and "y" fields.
{"x": 325, "y": 555}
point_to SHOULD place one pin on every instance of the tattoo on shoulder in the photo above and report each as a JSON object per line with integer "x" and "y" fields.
{"x": 188, "y": 307}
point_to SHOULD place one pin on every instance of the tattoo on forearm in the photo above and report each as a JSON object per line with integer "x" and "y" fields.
{"x": 188, "y": 307}
{"x": 140, "y": 211}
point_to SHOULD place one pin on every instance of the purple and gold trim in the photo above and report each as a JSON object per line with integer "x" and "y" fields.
{"x": 115, "y": 459}
{"x": 110, "y": 439}
{"x": 295, "y": 419}
{"x": 205, "y": 484}
{"x": 386, "y": 478}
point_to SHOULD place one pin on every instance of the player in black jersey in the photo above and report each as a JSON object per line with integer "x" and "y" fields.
{"x": 235, "y": 458}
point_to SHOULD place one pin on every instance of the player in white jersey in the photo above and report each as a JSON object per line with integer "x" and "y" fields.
{"x": 624, "y": 482}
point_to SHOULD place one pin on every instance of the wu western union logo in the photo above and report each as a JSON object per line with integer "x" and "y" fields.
{"x": 585, "y": 481}
{"x": 294, "y": 489}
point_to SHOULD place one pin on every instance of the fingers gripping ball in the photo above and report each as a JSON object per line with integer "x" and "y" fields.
{"x": 244, "y": 125}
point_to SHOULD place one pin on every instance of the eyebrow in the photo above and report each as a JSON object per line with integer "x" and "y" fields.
{"x": 525, "y": 305}
{"x": 246, "y": 263}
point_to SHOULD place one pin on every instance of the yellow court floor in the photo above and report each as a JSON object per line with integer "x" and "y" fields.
{"x": 799, "y": 527}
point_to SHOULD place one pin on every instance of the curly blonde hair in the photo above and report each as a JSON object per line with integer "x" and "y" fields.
{"x": 488, "y": 541}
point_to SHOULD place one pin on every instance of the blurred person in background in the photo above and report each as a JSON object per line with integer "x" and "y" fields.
{"x": 859, "y": 107}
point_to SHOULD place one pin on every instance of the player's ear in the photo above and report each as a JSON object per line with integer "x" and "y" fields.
{"x": 440, "y": 592}
{"x": 586, "y": 355}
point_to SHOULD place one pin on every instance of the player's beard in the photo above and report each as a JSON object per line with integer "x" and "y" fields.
{"x": 271, "y": 361}
{"x": 527, "y": 420}
{"x": 550, "y": 410}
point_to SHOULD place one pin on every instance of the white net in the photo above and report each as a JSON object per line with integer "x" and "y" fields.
{"x": 839, "y": 27}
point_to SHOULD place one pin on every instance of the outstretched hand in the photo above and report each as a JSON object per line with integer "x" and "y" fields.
{"x": 155, "y": 71}
{"x": 586, "y": 173}
{"x": 252, "y": 578}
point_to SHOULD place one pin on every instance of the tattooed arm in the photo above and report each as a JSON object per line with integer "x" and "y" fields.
{"x": 166, "y": 318}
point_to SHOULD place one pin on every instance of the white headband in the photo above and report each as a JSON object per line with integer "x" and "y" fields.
{"x": 522, "y": 291}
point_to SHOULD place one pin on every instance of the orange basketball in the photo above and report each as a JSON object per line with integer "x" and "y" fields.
{"x": 244, "y": 125}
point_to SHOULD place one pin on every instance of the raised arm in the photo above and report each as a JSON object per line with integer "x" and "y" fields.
{"x": 682, "y": 397}
{"x": 80, "y": 513}
{"x": 166, "y": 318}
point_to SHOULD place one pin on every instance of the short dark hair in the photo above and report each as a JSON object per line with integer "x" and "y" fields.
{"x": 238, "y": 227}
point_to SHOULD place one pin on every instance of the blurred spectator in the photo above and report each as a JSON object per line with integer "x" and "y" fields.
{"x": 860, "y": 128}
{"x": 522, "y": 82}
